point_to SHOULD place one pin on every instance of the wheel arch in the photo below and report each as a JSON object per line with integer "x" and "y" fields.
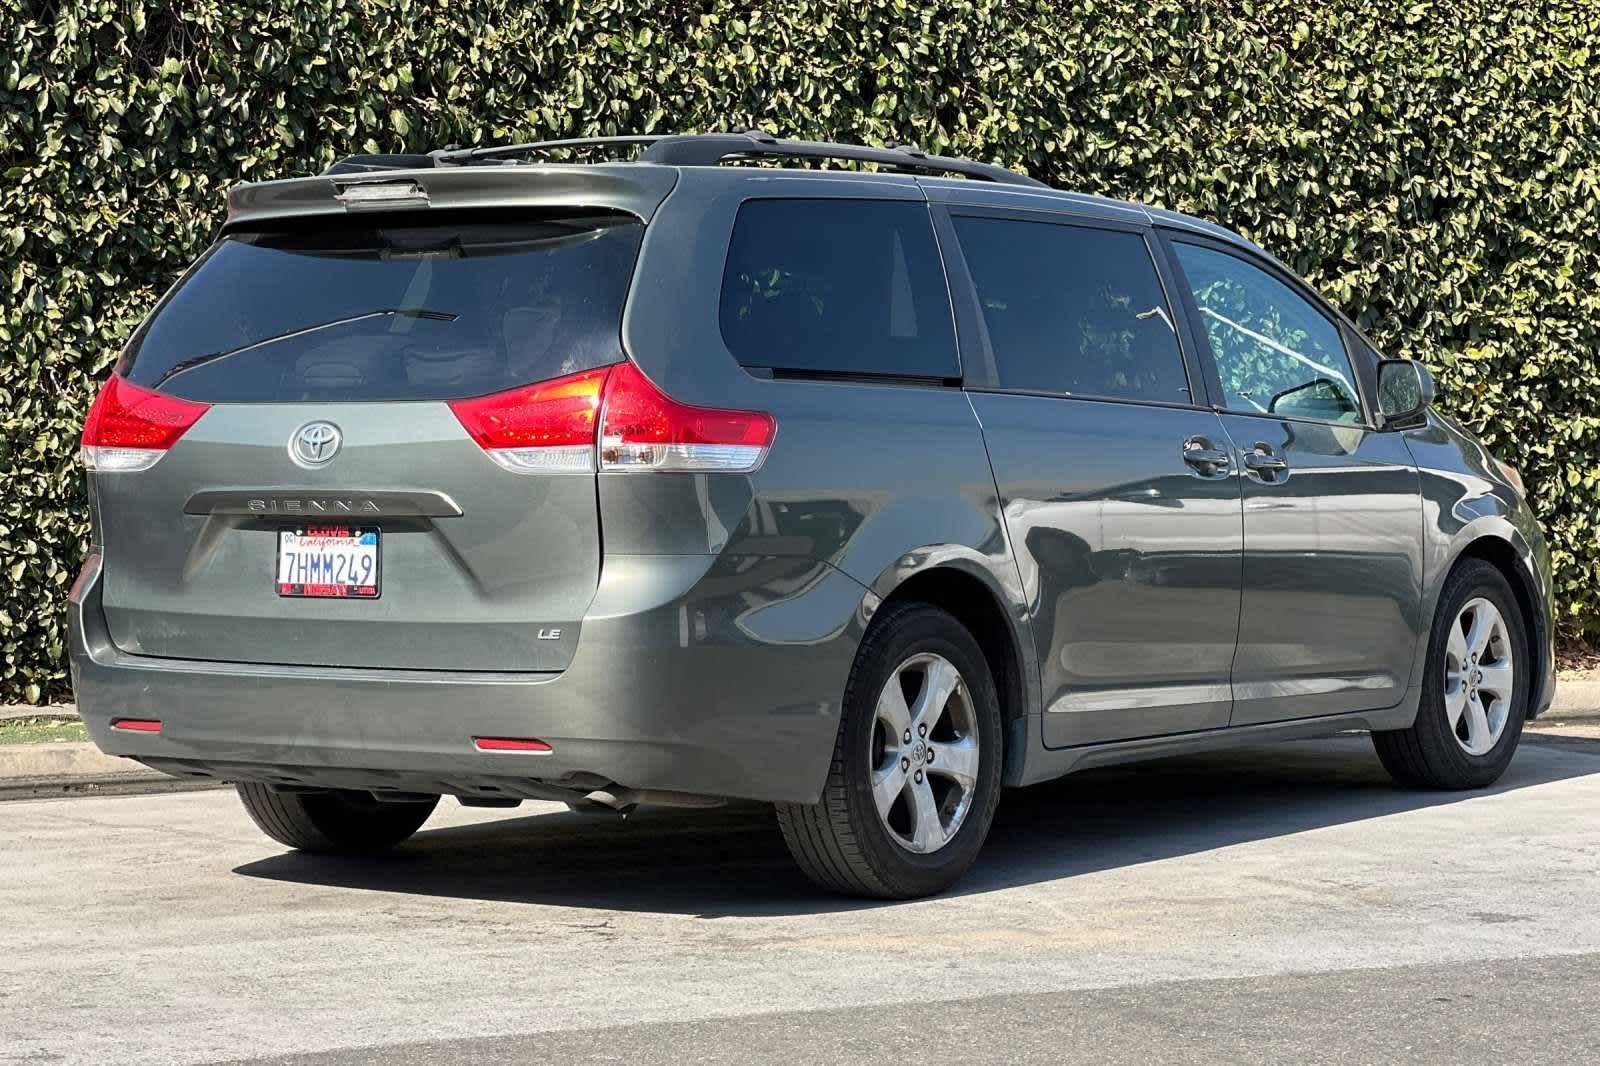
{"x": 969, "y": 595}
{"x": 1501, "y": 554}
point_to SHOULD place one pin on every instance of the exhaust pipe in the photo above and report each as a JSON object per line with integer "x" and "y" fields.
{"x": 623, "y": 800}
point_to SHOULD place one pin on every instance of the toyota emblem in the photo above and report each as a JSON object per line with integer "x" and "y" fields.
{"x": 315, "y": 443}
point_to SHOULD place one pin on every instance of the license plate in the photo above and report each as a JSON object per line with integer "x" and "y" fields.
{"x": 328, "y": 561}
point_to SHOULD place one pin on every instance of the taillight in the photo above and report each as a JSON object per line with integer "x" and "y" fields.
{"x": 546, "y": 428}
{"x": 551, "y": 427}
{"x": 642, "y": 428}
{"x": 130, "y": 428}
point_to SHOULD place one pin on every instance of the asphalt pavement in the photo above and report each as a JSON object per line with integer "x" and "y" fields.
{"x": 1280, "y": 903}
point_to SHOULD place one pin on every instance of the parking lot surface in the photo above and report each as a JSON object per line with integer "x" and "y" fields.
{"x": 1279, "y": 902}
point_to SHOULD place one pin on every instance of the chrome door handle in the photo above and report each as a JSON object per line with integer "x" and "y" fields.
{"x": 1207, "y": 460}
{"x": 1257, "y": 461}
{"x": 1263, "y": 460}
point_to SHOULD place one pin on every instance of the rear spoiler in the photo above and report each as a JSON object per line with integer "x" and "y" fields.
{"x": 382, "y": 183}
{"x": 367, "y": 164}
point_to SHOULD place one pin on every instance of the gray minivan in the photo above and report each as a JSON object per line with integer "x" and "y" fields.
{"x": 699, "y": 476}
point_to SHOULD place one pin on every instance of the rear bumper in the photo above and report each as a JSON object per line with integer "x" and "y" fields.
{"x": 715, "y": 676}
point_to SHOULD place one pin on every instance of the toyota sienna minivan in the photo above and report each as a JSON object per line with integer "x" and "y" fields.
{"x": 863, "y": 492}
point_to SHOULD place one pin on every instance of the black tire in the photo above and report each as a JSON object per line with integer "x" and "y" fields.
{"x": 840, "y": 842}
{"x": 1427, "y": 755}
{"x": 332, "y": 822}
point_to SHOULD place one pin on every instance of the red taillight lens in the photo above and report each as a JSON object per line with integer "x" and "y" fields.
{"x": 137, "y": 725}
{"x": 551, "y": 427}
{"x": 642, "y": 428}
{"x": 130, "y": 427}
{"x": 546, "y": 428}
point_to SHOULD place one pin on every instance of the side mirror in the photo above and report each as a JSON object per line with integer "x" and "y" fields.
{"x": 1318, "y": 398}
{"x": 1405, "y": 389}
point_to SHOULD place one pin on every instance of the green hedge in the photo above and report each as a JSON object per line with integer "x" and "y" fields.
{"x": 1432, "y": 166}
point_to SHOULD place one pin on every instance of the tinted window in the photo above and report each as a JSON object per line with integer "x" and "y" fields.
{"x": 853, "y": 286}
{"x": 391, "y": 312}
{"x": 1073, "y": 310}
{"x": 1275, "y": 352}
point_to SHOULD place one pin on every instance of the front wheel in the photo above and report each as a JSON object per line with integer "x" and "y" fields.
{"x": 1475, "y": 690}
{"x": 915, "y": 777}
{"x": 332, "y": 822}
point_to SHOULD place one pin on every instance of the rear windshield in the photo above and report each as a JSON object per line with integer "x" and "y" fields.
{"x": 384, "y": 311}
{"x": 838, "y": 286}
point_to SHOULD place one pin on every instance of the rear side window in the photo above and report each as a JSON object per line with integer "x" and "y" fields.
{"x": 1073, "y": 310}
{"x": 391, "y": 311}
{"x": 838, "y": 286}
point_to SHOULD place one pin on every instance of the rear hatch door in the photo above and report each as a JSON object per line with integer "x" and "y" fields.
{"x": 330, "y": 507}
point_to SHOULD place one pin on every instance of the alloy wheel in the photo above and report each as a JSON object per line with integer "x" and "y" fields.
{"x": 1479, "y": 676}
{"x": 924, "y": 753}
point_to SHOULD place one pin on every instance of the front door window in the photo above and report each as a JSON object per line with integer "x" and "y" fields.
{"x": 1275, "y": 353}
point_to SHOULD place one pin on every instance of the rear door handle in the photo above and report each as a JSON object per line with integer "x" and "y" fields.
{"x": 1208, "y": 460}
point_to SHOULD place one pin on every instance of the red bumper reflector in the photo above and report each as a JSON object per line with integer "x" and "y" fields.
{"x": 137, "y": 725}
{"x": 510, "y": 744}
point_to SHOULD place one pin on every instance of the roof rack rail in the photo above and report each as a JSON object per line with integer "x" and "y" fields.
{"x": 709, "y": 149}
{"x": 699, "y": 149}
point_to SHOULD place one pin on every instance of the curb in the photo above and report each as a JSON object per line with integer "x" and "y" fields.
{"x": 23, "y": 761}
{"x": 1576, "y": 699}
{"x": 47, "y": 769}
{"x": 11, "y": 711}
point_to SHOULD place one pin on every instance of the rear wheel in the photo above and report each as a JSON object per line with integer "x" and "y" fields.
{"x": 1475, "y": 690}
{"x": 332, "y": 821}
{"x": 915, "y": 777}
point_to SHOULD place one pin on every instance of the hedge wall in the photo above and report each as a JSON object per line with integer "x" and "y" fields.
{"x": 1432, "y": 166}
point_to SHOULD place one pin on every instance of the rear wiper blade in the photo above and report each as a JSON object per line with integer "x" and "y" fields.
{"x": 183, "y": 366}
{"x": 537, "y": 148}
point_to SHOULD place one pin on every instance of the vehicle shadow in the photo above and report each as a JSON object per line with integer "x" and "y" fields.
{"x": 731, "y": 861}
